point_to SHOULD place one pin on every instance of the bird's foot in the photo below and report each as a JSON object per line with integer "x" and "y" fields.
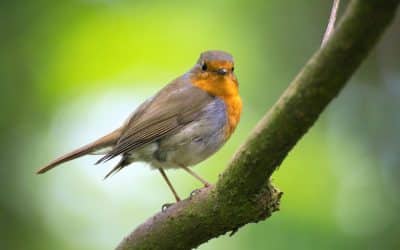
{"x": 198, "y": 190}
{"x": 206, "y": 184}
{"x": 166, "y": 206}
{"x": 194, "y": 193}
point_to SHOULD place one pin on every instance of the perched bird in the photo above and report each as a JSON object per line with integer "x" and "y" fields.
{"x": 183, "y": 124}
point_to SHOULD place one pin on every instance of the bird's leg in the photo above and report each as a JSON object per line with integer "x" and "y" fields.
{"x": 206, "y": 183}
{"x": 169, "y": 185}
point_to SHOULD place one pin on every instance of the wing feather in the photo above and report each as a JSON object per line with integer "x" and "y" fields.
{"x": 176, "y": 105}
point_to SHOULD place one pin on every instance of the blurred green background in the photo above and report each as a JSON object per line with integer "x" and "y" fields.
{"x": 71, "y": 71}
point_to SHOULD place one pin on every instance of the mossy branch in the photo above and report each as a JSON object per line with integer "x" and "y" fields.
{"x": 243, "y": 193}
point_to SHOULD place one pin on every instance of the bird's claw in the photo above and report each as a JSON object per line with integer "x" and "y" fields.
{"x": 195, "y": 192}
{"x": 166, "y": 206}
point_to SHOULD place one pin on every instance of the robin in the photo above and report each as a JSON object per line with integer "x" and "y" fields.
{"x": 183, "y": 124}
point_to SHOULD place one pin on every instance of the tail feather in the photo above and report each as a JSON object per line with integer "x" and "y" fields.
{"x": 121, "y": 164}
{"x": 103, "y": 142}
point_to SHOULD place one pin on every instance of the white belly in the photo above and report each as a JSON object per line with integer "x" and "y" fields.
{"x": 192, "y": 144}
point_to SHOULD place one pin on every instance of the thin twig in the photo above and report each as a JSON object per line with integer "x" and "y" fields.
{"x": 331, "y": 24}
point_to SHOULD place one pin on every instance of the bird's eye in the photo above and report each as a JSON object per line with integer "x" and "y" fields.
{"x": 204, "y": 67}
{"x": 233, "y": 68}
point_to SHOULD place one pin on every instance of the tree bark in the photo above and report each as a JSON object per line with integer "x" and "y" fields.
{"x": 243, "y": 193}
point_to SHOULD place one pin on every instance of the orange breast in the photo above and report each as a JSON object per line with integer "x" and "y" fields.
{"x": 226, "y": 89}
{"x": 234, "y": 110}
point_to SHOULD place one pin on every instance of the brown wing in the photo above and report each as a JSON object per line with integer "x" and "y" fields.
{"x": 173, "y": 107}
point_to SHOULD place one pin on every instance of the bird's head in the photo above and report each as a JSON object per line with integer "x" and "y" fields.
{"x": 214, "y": 73}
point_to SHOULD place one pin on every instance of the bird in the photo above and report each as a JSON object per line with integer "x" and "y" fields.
{"x": 183, "y": 124}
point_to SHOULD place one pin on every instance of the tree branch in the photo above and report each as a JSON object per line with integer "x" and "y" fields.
{"x": 243, "y": 193}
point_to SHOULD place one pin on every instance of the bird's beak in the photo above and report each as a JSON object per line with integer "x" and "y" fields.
{"x": 222, "y": 71}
